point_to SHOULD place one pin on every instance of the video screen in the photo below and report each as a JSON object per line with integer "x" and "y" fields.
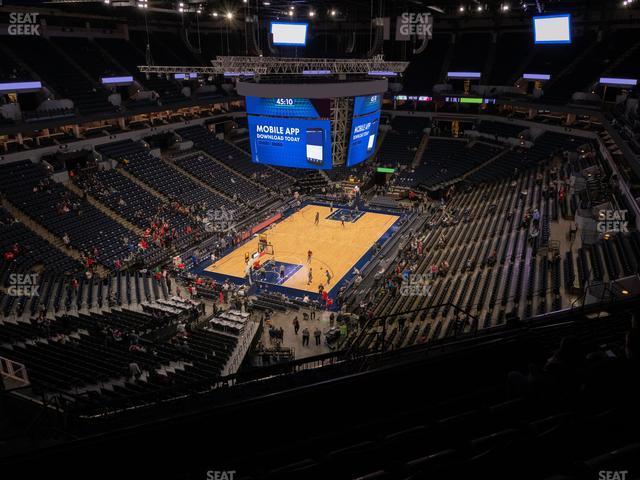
{"x": 286, "y": 142}
{"x": 289, "y": 34}
{"x": 367, "y": 104}
{"x": 552, "y": 29}
{"x": 362, "y": 141}
{"x": 288, "y": 107}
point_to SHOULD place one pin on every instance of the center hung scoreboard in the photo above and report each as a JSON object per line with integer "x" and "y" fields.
{"x": 299, "y": 133}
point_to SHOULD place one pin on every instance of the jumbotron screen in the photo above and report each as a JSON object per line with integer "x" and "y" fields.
{"x": 364, "y": 128}
{"x": 290, "y": 132}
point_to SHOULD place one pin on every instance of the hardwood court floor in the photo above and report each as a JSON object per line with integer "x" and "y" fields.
{"x": 334, "y": 247}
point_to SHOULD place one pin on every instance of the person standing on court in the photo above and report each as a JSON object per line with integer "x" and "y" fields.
{"x": 296, "y": 325}
{"x": 309, "y": 255}
{"x": 316, "y": 334}
{"x": 328, "y": 276}
{"x": 317, "y": 220}
{"x": 305, "y": 337}
{"x": 310, "y": 276}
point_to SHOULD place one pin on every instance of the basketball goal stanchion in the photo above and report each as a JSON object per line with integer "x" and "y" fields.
{"x": 256, "y": 260}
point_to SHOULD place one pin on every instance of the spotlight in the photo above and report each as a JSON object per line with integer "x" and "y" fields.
{"x": 505, "y": 7}
{"x": 333, "y": 13}
{"x": 291, "y": 13}
{"x": 230, "y": 15}
{"x": 625, "y": 292}
{"x": 312, "y": 13}
{"x": 479, "y": 8}
{"x": 214, "y": 14}
{"x": 461, "y": 8}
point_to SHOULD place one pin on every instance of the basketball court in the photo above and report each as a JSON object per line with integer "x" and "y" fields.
{"x": 338, "y": 242}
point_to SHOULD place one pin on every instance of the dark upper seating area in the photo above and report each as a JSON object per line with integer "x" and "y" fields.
{"x": 130, "y": 57}
{"x": 470, "y": 52}
{"x": 604, "y": 55}
{"x": 11, "y": 71}
{"x": 89, "y": 56}
{"x": 63, "y": 77}
{"x": 508, "y": 57}
{"x": 425, "y": 69}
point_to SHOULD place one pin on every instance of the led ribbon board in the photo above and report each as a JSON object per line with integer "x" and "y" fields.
{"x": 464, "y": 75}
{"x": 126, "y": 80}
{"x": 618, "y": 82}
{"x": 12, "y": 87}
{"x": 536, "y": 76}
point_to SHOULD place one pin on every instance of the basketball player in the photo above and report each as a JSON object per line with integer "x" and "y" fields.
{"x": 309, "y": 254}
{"x": 310, "y": 276}
{"x": 328, "y": 276}
{"x": 342, "y": 220}
{"x": 317, "y": 220}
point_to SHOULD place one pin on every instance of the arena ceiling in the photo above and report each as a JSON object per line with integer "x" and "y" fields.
{"x": 336, "y": 10}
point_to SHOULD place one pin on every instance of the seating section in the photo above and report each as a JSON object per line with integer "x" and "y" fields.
{"x": 137, "y": 160}
{"x": 489, "y": 249}
{"x": 401, "y": 143}
{"x": 29, "y": 250}
{"x": 235, "y": 159}
{"x": 499, "y": 129}
{"x": 519, "y": 159}
{"x": 225, "y": 180}
{"x": 139, "y": 207}
{"x": 446, "y": 160}
{"x": 29, "y": 188}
